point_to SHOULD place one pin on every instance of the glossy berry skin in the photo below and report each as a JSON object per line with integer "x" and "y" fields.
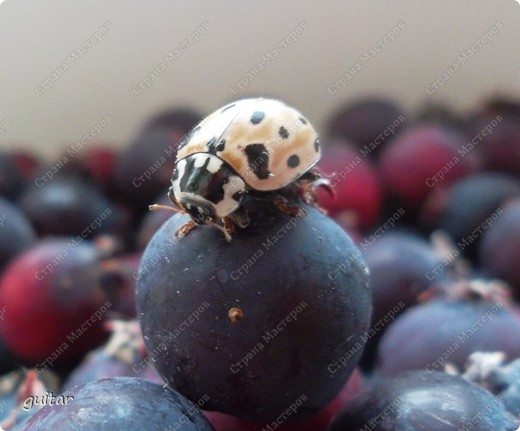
{"x": 411, "y": 163}
{"x": 441, "y": 332}
{"x": 239, "y": 292}
{"x": 500, "y": 247}
{"x": 424, "y": 401}
{"x": 16, "y": 232}
{"x": 49, "y": 292}
{"x": 120, "y": 404}
{"x": 352, "y": 177}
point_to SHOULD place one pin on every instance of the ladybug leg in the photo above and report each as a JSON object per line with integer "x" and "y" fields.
{"x": 307, "y": 189}
{"x": 239, "y": 218}
{"x": 308, "y": 193}
{"x": 156, "y": 207}
{"x": 226, "y": 229}
{"x": 283, "y": 205}
{"x": 186, "y": 228}
{"x": 229, "y": 224}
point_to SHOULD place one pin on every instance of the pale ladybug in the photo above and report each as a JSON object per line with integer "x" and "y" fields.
{"x": 249, "y": 146}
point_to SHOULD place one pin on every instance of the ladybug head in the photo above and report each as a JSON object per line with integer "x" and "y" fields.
{"x": 206, "y": 187}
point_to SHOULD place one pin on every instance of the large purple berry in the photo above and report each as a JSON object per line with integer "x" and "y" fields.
{"x": 256, "y": 323}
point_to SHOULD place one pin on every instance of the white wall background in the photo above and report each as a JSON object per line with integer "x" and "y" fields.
{"x": 37, "y": 36}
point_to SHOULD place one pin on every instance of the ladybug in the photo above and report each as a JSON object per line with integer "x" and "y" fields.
{"x": 256, "y": 146}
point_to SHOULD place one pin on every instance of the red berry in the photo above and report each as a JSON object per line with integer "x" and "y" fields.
{"x": 421, "y": 158}
{"x": 355, "y": 184}
{"x": 54, "y": 308}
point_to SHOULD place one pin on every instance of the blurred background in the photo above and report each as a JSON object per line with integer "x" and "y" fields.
{"x": 67, "y": 65}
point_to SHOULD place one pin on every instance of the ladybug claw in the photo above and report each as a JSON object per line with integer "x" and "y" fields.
{"x": 325, "y": 184}
{"x": 226, "y": 229}
{"x": 186, "y": 228}
{"x": 287, "y": 208}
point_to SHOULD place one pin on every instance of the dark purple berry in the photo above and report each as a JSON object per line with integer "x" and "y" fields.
{"x": 174, "y": 118}
{"x": 501, "y": 145}
{"x": 471, "y": 201}
{"x": 364, "y": 122}
{"x": 69, "y": 206}
{"x": 11, "y": 179}
{"x": 120, "y": 404}
{"x": 144, "y": 169}
{"x": 399, "y": 264}
{"x": 424, "y": 401}
{"x": 444, "y": 331}
{"x": 16, "y": 232}
{"x": 283, "y": 305}
{"x": 124, "y": 355}
{"x": 500, "y": 246}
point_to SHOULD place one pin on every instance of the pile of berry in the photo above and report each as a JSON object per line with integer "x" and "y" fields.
{"x": 365, "y": 280}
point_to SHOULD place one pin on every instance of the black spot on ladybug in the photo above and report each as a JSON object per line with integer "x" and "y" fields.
{"x": 213, "y": 147}
{"x": 293, "y": 161}
{"x": 302, "y": 120}
{"x": 258, "y": 160}
{"x": 257, "y": 117}
{"x": 316, "y": 145}
{"x": 228, "y": 107}
{"x": 283, "y": 133}
{"x": 221, "y": 145}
